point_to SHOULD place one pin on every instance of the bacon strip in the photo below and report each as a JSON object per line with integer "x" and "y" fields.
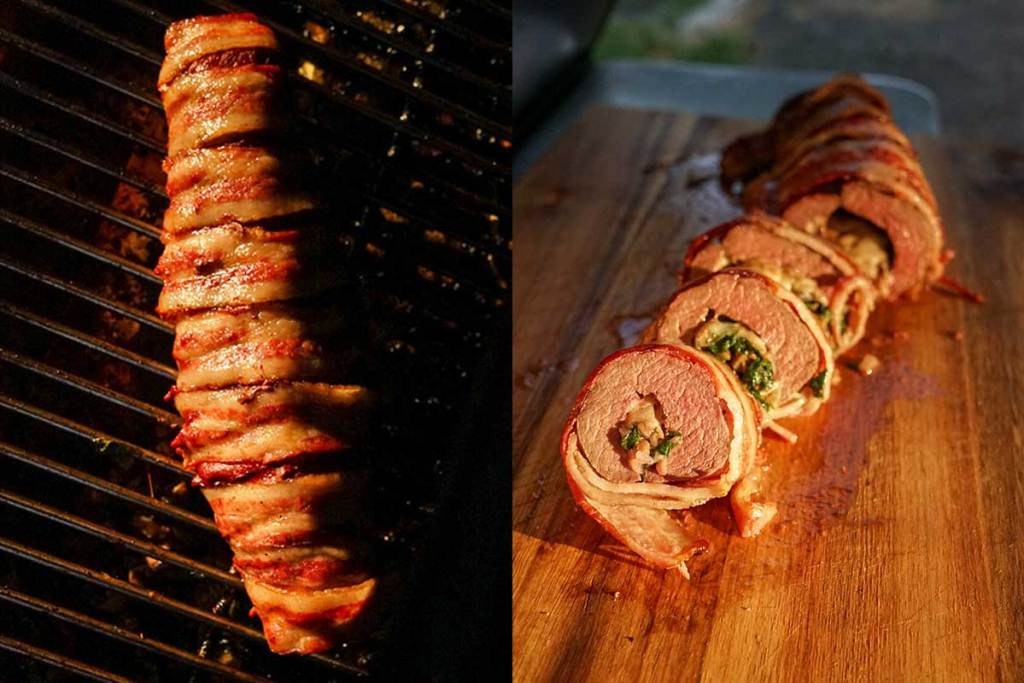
{"x": 267, "y": 431}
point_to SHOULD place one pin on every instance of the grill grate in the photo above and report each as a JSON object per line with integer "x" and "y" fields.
{"x": 112, "y": 569}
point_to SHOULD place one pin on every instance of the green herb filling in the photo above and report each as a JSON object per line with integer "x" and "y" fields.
{"x": 631, "y": 438}
{"x": 667, "y": 444}
{"x": 751, "y": 367}
{"x": 821, "y": 310}
{"x": 817, "y": 383}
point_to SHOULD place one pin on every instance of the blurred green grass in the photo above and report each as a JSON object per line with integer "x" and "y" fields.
{"x": 646, "y": 28}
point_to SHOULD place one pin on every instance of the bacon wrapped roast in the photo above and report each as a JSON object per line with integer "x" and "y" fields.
{"x": 821, "y": 276}
{"x": 268, "y": 419}
{"x": 658, "y": 428}
{"x": 761, "y": 330}
{"x": 833, "y": 163}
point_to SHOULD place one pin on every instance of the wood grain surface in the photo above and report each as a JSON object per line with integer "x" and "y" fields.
{"x": 898, "y": 552}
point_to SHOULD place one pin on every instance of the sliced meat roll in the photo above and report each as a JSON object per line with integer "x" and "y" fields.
{"x": 833, "y": 163}
{"x": 826, "y": 280}
{"x": 770, "y": 339}
{"x": 657, "y": 428}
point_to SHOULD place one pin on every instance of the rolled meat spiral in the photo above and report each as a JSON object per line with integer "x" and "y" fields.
{"x": 768, "y": 336}
{"x": 264, "y": 385}
{"x": 657, "y": 428}
{"x": 834, "y": 163}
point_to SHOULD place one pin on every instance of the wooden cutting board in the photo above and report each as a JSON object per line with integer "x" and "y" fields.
{"x": 898, "y": 553}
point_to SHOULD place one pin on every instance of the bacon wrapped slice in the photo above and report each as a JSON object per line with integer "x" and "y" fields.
{"x": 761, "y": 330}
{"x": 833, "y": 163}
{"x": 821, "y": 276}
{"x": 657, "y": 428}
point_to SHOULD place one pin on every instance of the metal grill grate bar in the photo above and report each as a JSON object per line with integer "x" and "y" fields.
{"x": 37, "y": 183}
{"x": 104, "y": 580}
{"x": 84, "y": 248}
{"x": 123, "y": 635}
{"x": 96, "y": 438}
{"x": 127, "y": 495}
{"x": 125, "y": 541}
{"x": 90, "y": 388}
{"x": 90, "y": 29}
{"x": 127, "y": 311}
{"x": 52, "y": 100}
{"x": 88, "y": 341}
{"x": 65, "y": 62}
{"x": 60, "y": 661}
{"x": 81, "y": 157}
{"x": 446, "y": 26}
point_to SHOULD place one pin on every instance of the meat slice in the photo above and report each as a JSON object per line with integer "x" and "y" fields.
{"x": 785, "y": 359}
{"x": 829, "y": 283}
{"x": 707, "y": 430}
{"x": 834, "y": 152}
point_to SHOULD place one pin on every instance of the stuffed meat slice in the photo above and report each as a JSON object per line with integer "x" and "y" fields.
{"x": 834, "y": 164}
{"x": 821, "y": 276}
{"x": 759, "y": 329}
{"x": 658, "y": 428}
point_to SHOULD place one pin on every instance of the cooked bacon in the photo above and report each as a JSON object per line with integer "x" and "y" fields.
{"x": 191, "y": 40}
{"x": 795, "y": 259}
{"x": 229, "y": 183}
{"x": 267, "y": 433}
{"x": 219, "y": 103}
{"x": 208, "y": 331}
